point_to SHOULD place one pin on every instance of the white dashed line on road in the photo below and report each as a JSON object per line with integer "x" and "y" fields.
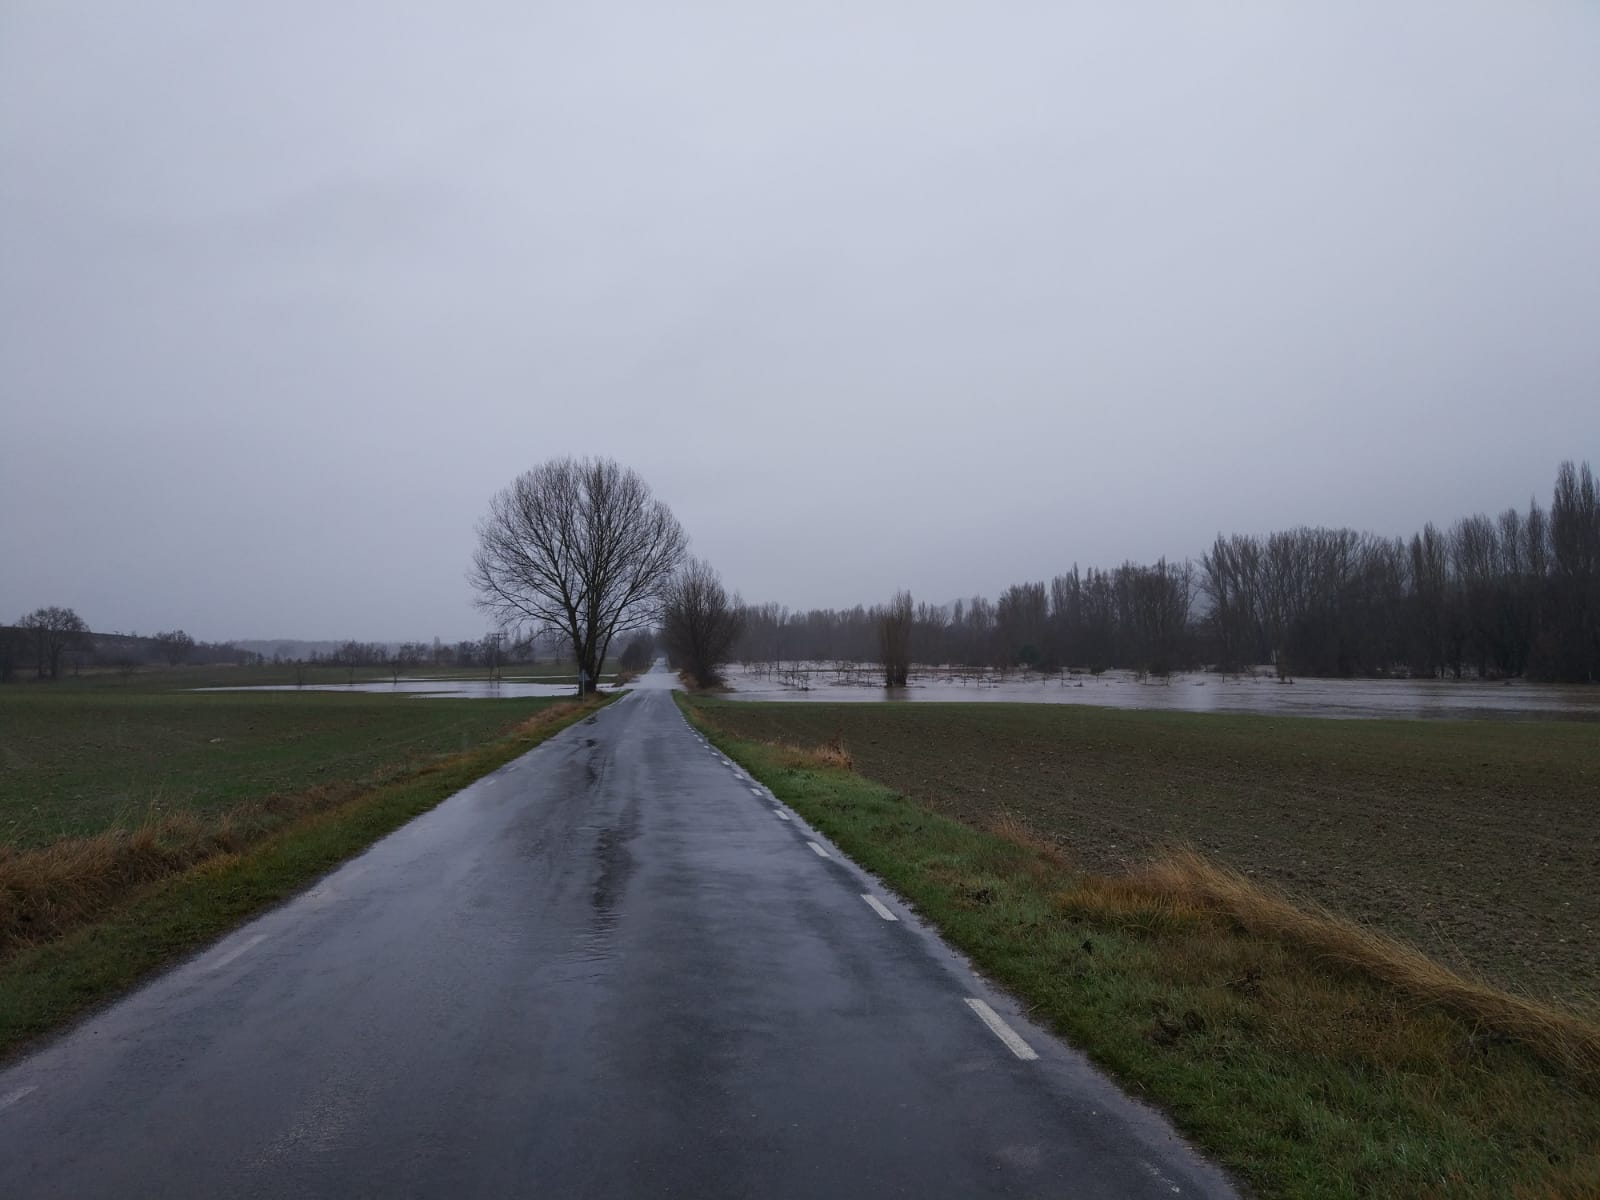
{"x": 780, "y": 814}
{"x": 11, "y": 1098}
{"x": 1001, "y": 1030}
{"x": 878, "y": 907}
{"x": 755, "y": 791}
{"x": 245, "y": 948}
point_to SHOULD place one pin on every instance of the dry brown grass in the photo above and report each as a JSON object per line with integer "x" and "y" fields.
{"x": 550, "y": 716}
{"x": 49, "y": 891}
{"x": 1181, "y": 886}
{"x": 832, "y": 755}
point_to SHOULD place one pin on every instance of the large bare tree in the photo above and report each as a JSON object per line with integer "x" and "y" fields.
{"x": 699, "y": 622}
{"x": 53, "y": 630}
{"x": 580, "y": 546}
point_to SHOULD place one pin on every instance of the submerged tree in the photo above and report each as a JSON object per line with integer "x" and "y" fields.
{"x": 699, "y": 622}
{"x": 578, "y": 546}
{"x": 894, "y": 639}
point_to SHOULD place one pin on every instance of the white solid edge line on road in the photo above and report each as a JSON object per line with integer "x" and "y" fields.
{"x": 878, "y": 907}
{"x": 1001, "y": 1030}
{"x": 780, "y": 814}
{"x": 821, "y": 853}
{"x": 237, "y": 951}
{"x": 11, "y": 1098}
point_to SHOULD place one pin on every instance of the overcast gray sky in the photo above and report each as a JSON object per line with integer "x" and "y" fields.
{"x": 942, "y": 296}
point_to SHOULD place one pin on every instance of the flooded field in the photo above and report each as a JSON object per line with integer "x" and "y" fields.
{"x": 1194, "y": 692}
{"x": 450, "y": 689}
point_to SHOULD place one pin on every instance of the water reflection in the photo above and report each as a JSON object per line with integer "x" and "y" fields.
{"x": 1195, "y": 692}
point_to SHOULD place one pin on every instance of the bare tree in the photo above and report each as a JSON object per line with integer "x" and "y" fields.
{"x": 11, "y": 649}
{"x": 700, "y": 624}
{"x": 174, "y": 646}
{"x": 894, "y": 639}
{"x": 53, "y": 631}
{"x": 492, "y": 651}
{"x": 639, "y": 652}
{"x": 405, "y": 658}
{"x": 1021, "y": 622}
{"x": 579, "y": 546}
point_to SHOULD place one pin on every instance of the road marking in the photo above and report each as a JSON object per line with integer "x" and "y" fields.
{"x": 1156, "y": 1171}
{"x": 821, "y": 853}
{"x": 781, "y": 815}
{"x": 878, "y": 907}
{"x": 1001, "y": 1030}
{"x": 11, "y": 1098}
{"x": 244, "y": 948}
{"x": 755, "y": 791}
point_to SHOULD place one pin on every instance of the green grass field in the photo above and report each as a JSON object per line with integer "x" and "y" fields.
{"x": 1478, "y": 840}
{"x": 1305, "y": 1074}
{"x": 77, "y": 760}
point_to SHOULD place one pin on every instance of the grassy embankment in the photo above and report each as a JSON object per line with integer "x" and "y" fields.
{"x": 1313, "y": 1056}
{"x": 137, "y": 824}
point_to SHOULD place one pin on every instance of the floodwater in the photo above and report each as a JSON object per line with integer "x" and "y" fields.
{"x": 452, "y": 689}
{"x": 1194, "y": 692}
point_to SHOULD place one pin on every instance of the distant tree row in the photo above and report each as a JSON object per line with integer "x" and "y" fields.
{"x": 54, "y": 639}
{"x": 1516, "y": 594}
{"x": 51, "y": 641}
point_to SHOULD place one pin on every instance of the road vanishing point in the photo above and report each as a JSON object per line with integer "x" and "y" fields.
{"x": 615, "y": 967}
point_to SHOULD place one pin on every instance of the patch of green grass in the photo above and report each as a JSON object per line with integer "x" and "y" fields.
{"x": 46, "y": 986}
{"x": 1305, "y": 1078}
{"x": 78, "y": 760}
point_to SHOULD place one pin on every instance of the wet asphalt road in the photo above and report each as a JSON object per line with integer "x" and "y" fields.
{"x": 608, "y": 969}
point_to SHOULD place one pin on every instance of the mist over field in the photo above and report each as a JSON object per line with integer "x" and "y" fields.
{"x": 928, "y": 296}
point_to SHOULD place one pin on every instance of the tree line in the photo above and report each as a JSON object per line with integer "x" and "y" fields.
{"x": 1516, "y": 594}
{"x": 55, "y": 639}
{"x": 49, "y": 642}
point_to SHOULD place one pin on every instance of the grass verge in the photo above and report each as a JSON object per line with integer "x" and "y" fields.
{"x": 45, "y": 985}
{"x": 1280, "y": 1046}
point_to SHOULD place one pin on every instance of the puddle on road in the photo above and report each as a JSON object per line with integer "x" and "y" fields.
{"x": 1192, "y": 692}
